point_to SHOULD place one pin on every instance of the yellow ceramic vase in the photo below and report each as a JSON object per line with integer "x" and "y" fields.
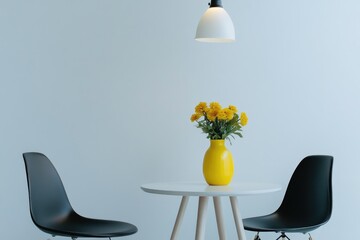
{"x": 218, "y": 165}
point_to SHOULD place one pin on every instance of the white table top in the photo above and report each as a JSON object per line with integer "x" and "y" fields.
{"x": 203, "y": 189}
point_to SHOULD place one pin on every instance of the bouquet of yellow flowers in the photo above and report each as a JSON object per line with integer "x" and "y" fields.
{"x": 218, "y": 122}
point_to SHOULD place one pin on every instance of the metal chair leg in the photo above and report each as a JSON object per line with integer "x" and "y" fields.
{"x": 257, "y": 237}
{"x": 310, "y": 238}
{"x": 283, "y": 236}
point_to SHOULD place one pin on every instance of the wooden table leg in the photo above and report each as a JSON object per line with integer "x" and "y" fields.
{"x": 179, "y": 218}
{"x": 238, "y": 220}
{"x": 201, "y": 219}
{"x": 219, "y": 218}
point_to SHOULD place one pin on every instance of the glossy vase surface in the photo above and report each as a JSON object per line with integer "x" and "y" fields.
{"x": 218, "y": 165}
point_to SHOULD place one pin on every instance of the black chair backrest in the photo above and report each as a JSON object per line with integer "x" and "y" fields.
{"x": 47, "y": 197}
{"x": 309, "y": 193}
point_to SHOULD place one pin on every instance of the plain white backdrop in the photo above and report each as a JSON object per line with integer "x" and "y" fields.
{"x": 106, "y": 88}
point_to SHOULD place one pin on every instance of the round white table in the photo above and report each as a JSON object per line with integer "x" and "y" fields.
{"x": 204, "y": 191}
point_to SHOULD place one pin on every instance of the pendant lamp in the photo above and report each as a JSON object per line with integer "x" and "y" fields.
{"x": 215, "y": 25}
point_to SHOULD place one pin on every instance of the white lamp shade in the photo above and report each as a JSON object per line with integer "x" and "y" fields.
{"x": 215, "y": 26}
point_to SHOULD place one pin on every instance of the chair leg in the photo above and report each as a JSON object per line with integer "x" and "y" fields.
{"x": 283, "y": 236}
{"x": 310, "y": 238}
{"x": 257, "y": 237}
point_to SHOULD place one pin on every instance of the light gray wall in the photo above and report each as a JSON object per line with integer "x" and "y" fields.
{"x": 106, "y": 88}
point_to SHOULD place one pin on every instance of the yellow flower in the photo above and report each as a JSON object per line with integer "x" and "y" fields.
{"x": 212, "y": 114}
{"x": 229, "y": 114}
{"x": 222, "y": 115}
{"x": 201, "y": 108}
{"x": 215, "y": 106}
{"x": 243, "y": 119}
{"x": 195, "y": 117}
{"x": 219, "y": 122}
{"x": 233, "y": 108}
{"x": 225, "y": 114}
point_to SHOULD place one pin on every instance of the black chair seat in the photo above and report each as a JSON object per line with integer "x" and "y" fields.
{"x": 276, "y": 223}
{"x": 51, "y": 210}
{"x": 79, "y": 226}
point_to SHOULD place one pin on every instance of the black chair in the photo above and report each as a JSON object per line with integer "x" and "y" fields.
{"x": 50, "y": 208}
{"x": 307, "y": 203}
